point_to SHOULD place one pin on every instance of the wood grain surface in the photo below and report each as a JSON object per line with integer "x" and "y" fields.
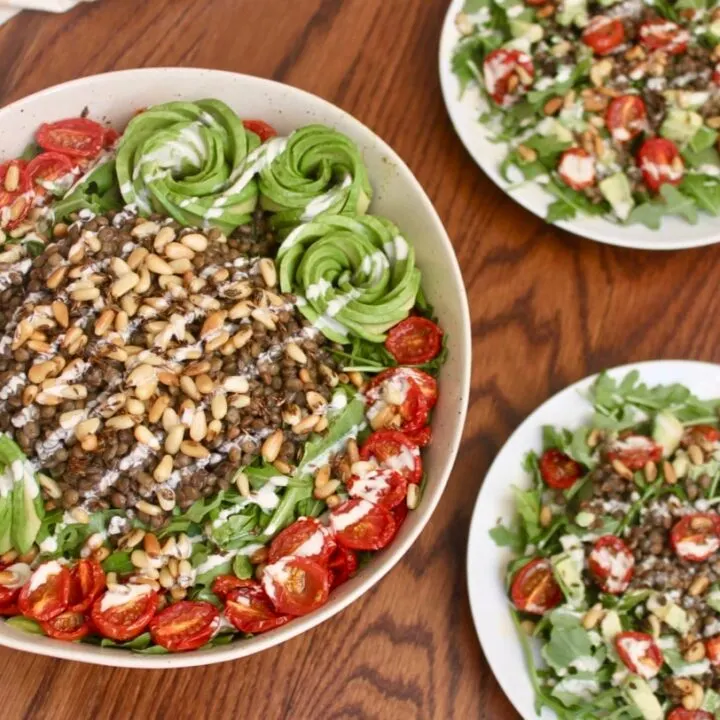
{"x": 547, "y": 309}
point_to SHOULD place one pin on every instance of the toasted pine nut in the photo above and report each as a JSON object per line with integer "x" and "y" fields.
{"x": 178, "y": 251}
{"x": 195, "y": 241}
{"x": 268, "y": 272}
{"x": 650, "y": 471}
{"x": 243, "y": 484}
{"x": 61, "y": 313}
{"x": 593, "y": 616}
{"x": 193, "y": 449}
{"x": 164, "y": 237}
{"x": 80, "y": 516}
{"x": 622, "y": 469}
{"x": 120, "y": 422}
{"x": 326, "y": 490}
{"x": 124, "y": 284}
{"x": 151, "y": 545}
{"x": 145, "y": 507}
{"x": 695, "y": 652}
{"x": 236, "y": 384}
{"x": 166, "y": 498}
{"x": 696, "y": 455}
{"x": 174, "y": 439}
{"x": 306, "y": 425}
{"x": 271, "y": 447}
{"x": 545, "y": 516}
{"x": 163, "y": 469}
{"x": 322, "y": 476}
{"x": 699, "y": 585}
{"x": 145, "y": 229}
{"x": 145, "y": 436}
{"x": 133, "y": 538}
{"x": 219, "y": 406}
{"x": 669, "y": 473}
{"x": 322, "y": 424}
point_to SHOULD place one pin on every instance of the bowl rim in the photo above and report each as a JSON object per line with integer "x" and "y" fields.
{"x": 395, "y": 552}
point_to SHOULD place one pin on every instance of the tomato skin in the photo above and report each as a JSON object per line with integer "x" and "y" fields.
{"x": 603, "y": 34}
{"x": 125, "y": 621}
{"x": 342, "y": 565}
{"x": 661, "y": 34}
{"x": 68, "y": 626}
{"x": 223, "y": 585}
{"x": 626, "y": 117}
{"x": 49, "y": 599}
{"x": 616, "y": 547}
{"x": 87, "y": 581}
{"x": 291, "y": 539}
{"x": 499, "y": 67}
{"x": 185, "y": 625}
{"x": 534, "y": 588}
{"x": 415, "y": 340}
{"x": 111, "y": 137}
{"x": 373, "y": 530}
{"x": 634, "y": 451}
{"x": 249, "y": 609}
{"x": 422, "y": 438}
{"x": 10, "y": 610}
{"x": 575, "y": 156}
{"x": 296, "y": 586}
{"x": 699, "y": 529}
{"x": 660, "y": 162}
{"x": 78, "y": 137}
{"x": 712, "y": 650}
{"x": 558, "y": 470}
{"x": 680, "y": 713}
{"x": 262, "y": 129}
{"x": 47, "y": 166}
{"x": 8, "y": 595}
{"x": 383, "y": 487}
{"x": 652, "y": 655}
{"x": 701, "y": 433}
{"x": 383, "y": 445}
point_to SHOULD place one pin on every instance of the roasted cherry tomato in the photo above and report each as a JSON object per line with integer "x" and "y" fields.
{"x": 611, "y": 564}
{"x": 640, "y": 653}
{"x": 682, "y": 714}
{"x": 68, "y": 626}
{"x": 716, "y": 74}
{"x": 14, "y": 203}
{"x": 361, "y": 525}
{"x": 413, "y": 341}
{"x": 696, "y": 537}
{"x": 111, "y": 137}
{"x": 306, "y": 537}
{"x": 78, "y": 137}
{"x": 185, "y": 625}
{"x": 634, "y": 451}
{"x": 342, "y": 565}
{"x": 603, "y": 34}
{"x": 249, "y": 609}
{"x": 46, "y": 593}
{"x": 508, "y": 74}
{"x": 47, "y": 168}
{"x": 87, "y": 581}
{"x": 296, "y": 585}
{"x": 382, "y": 487}
{"x": 400, "y": 512}
{"x": 10, "y": 610}
{"x": 558, "y": 470}
{"x": 701, "y": 434}
{"x": 660, "y": 162}
{"x": 661, "y": 34}
{"x": 394, "y": 450}
{"x": 626, "y": 117}
{"x": 577, "y": 168}
{"x": 262, "y": 129}
{"x": 712, "y": 650}
{"x": 536, "y": 3}
{"x": 126, "y": 621}
{"x": 223, "y": 584}
{"x": 427, "y": 384}
{"x": 534, "y": 588}
{"x": 421, "y": 438}
{"x": 17, "y": 575}
{"x": 402, "y": 396}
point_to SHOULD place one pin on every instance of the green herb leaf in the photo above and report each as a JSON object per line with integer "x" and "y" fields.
{"x": 705, "y": 190}
{"x": 671, "y": 202}
{"x": 118, "y": 562}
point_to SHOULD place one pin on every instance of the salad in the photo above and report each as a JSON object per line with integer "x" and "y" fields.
{"x": 217, "y": 372}
{"x": 615, "y": 585}
{"x": 613, "y": 106}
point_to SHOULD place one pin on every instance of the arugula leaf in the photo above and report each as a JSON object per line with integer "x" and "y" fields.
{"x": 670, "y": 202}
{"x": 527, "y": 503}
{"x": 571, "y": 201}
{"x": 576, "y": 689}
{"x": 559, "y": 211}
{"x": 703, "y": 139}
{"x": 567, "y": 644}
{"x": 665, "y": 8}
{"x": 472, "y": 6}
{"x": 118, "y": 562}
{"x": 695, "y": 159}
{"x": 705, "y": 190}
{"x": 505, "y": 537}
{"x": 531, "y": 465}
{"x": 468, "y": 57}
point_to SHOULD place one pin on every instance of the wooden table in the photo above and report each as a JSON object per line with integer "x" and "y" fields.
{"x": 547, "y": 309}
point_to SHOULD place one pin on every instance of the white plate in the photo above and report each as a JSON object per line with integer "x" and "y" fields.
{"x": 674, "y": 233}
{"x": 486, "y": 562}
{"x": 397, "y": 195}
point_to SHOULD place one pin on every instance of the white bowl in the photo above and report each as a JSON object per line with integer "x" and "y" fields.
{"x": 398, "y": 195}
{"x": 674, "y": 233}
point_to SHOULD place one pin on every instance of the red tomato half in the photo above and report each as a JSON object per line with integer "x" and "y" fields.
{"x": 361, "y": 525}
{"x": 611, "y": 564}
{"x": 696, "y": 537}
{"x": 558, "y": 470}
{"x": 296, "y": 585}
{"x": 508, "y": 74}
{"x": 683, "y": 714}
{"x": 534, "y": 588}
{"x": 660, "y": 162}
{"x": 382, "y": 487}
{"x": 10, "y": 610}
{"x": 342, "y": 565}
{"x": 224, "y": 584}
{"x": 78, "y": 137}
{"x": 87, "y": 581}
{"x": 712, "y": 650}
{"x": 577, "y": 168}
{"x": 394, "y": 450}
{"x": 17, "y": 201}
{"x": 640, "y": 653}
{"x": 413, "y": 341}
{"x": 249, "y": 609}
{"x": 626, "y": 117}
{"x": 124, "y": 622}
{"x": 67, "y": 626}
{"x": 427, "y": 384}
{"x": 262, "y": 129}
{"x": 661, "y": 34}
{"x": 398, "y": 390}
{"x": 634, "y": 451}
{"x": 111, "y": 137}
{"x": 701, "y": 434}
{"x": 185, "y": 625}
{"x": 306, "y": 537}
{"x": 603, "y": 34}
{"x": 422, "y": 438}
{"x": 716, "y": 74}
{"x": 47, "y": 167}
{"x": 46, "y": 593}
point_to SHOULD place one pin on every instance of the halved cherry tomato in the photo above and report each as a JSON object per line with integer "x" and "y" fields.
{"x": 50, "y": 597}
{"x": 262, "y": 129}
{"x": 43, "y": 169}
{"x": 68, "y": 626}
{"x": 640, "y": 653}
{"x": 415, "y": 340}
{"x": 224, "y": 584}
{"x": 382, "y": 487}
{"x": 397, "y": 390}
{"x": 535, "y": 3}
{"x": 697, "y": 434}
{"x": 696, "y": 537}
{"x": 611, "y": 564}
{"x": 577, "y": 168}
{"x": 249, "y": 609}
{"x": 111, "y": 137}
{"x": 626, "y": 117}
{"x": 296, "y": 585}
{"x": 712, "y": 650}
{"x": 716, "y": 74}
{"x": 400, "y": 512}
{"x": 124, "y": 622}
{"x": 534, "y": 588}
{"x": 661, "y": 34}
{"x": 394, "y": 450}
{"x": 603, "y": 34}
{"x": 558, "y": 470}
{"x": 660, "y": 162}
{"x": 508, "y": 74}
{"x": 426, "y": 382}
{"x": 421, "y": 438}
{"x": 634, "y": 451}
{"x": 185, "y": 625}
{"x": 682, "y": 714}
{"x": 361, "y": 525}
{"x": 10, "y": 610}
{"x": 78, "y": 137}
{"x": 342, "y": 565}
{"x": 306, "y": 537}
{"x": 15, "y": 204}
{"x": 87, "y": 581}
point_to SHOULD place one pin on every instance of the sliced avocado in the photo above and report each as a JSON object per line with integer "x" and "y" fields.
{"x": 713, "y": 598}
{"x": 569, "y": 575}
{"x": 616, "y": 190}
{"x": 640, "y": 694}
{"x": 670, "y": 613}
{"x": 523, "y": 29}
{"x": 585, "y": 519}
{"x": 610, "y": 625}
{"x": 681, "y": 125}
{"x": 667, "y": 432}
{"x": 686, "y": 99}
{"x": 550, "y": 127}
{"x": 573, "y": 12}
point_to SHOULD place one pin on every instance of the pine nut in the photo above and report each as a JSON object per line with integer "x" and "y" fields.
{"x": 236, "y": 384}
{"x": 219, "y": 407}
{"x": 243, "y": 484}
{"x": 145, "y": 507}
{"x": 699, "y": 585}
{"x": 195, "y": 241}
{"x": 50, "y": 486}
{"x": 322, "y": 424}
{"x": 178, "y": 593}
{"x": 124, "y": 284}
{"x": 695, "y": 652}
{"x": 669, "y": 473}
{"x": 696, "y": 455}
{"x": 166, "y": 580}
{"x": 12, "y": 178}
{"x": 158, "y": 408}
{"x": 264, "y": 317}
{"x": 296, "y": 353}
{"x": 593, "y": 616}
{"x": 546, "y": 516}
{"x": 80, "y": 515}
{"x": 135, "y": 406}
{"x": 89, "y": 443}
{"x": 622, "y": 469}
{"x": 413, "y": 496}
{"x": 239, "y": 401}
{"x": 326, "y": 490}
{"x": 384, "y": 417}
{"x": 315, "y": 400}
{"x": 166, "y": 498}
{"x": 178, "y": 251}
{"x": 120, "y": 422}
{"x": 268, "y": 272}
{"x": 163, "y": 238}
{"x": 137, "y": 257}
{"x": 139, "y": 559}
{"x": 193, "y": 449}
{"x": 151, "y": 545}
{"x": 356, "y": 379}
{"x": 240, "y": 339}
{"x": 145, "y": 229}
{"x": 271, "y": 447}
{"x": 198, "y": 427}
{"x": 240, "y": 310}
{"x": 650, "y": 471}
{"x": 155, "y": 264}
{"x": 144, "y": 436}
{"x": 163, "y": 469}
{"x": 87, "y": 427}
{"x": 54, "y": 280}
{"x": 322, "y": 476}
{"x": 174, "y": 439}
{"x": 133, "y": 538}
{"x": 333, "y": 501}
{"x": 205, "y": 384}
{"x": 306, "y": 425}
